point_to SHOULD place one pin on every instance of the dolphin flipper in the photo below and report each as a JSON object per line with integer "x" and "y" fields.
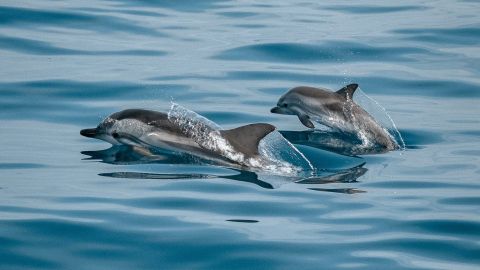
{"x": 347, "y": 91}
{"x": 245, "y": 139}
{"x": 305, "y": 119}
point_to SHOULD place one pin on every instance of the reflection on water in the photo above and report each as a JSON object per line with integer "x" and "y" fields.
{"x": 339, "y": 190}
{"x": 132, "y": 155}
{"x": 341, "y": 143}
{"x": 243, "y": 220}
{"x": 125, "y": 154}
{"x": 328, "y": 140}
{"x": 342, "y": 176}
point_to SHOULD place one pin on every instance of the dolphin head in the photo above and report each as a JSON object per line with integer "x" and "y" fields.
{"x": 104, "y": 131}
{"x": 322, "y": 104}
{"x": 285, "y": 105}
{"x": 297, "y": 102}
{"x": 127, "y": 126}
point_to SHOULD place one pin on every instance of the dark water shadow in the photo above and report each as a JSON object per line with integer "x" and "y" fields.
{"x": 179, "y": 6}
{"x": 39, "y": 47}
{"x": 463, "y": 35}
{"x": 418, "y": 139}
{"x": 243, "y": 220}
{"x": 237, "y": 14}
{"x": 20, "y": 166}
{"x": 129, "y": 155}
{"x": 27, "y": 17}
{"x": 329, "y": 51}
{"x": 366, "y": 9}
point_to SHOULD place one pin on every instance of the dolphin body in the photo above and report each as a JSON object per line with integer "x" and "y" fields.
{"x": 145, "y": 128}
{"x": 337, "y": 111}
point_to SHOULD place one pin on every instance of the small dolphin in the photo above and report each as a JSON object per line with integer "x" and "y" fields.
{"x": 147, "y": 128}
{"x": 335, "y": 110}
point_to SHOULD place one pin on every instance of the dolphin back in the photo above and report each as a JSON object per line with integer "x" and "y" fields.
{"x": 245, "y": 139}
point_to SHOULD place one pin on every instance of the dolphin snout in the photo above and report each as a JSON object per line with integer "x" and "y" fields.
{"x": 275, "y": 110}
{"x": 281, "y": 110}
{"x": 89, "y": 132}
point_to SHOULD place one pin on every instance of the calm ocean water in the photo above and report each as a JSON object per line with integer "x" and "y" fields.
{"x": 68, "y": 202}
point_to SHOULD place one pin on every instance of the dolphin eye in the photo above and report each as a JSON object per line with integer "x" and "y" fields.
{"x": 285, "y": 105}
{"x": 114, "y": 134}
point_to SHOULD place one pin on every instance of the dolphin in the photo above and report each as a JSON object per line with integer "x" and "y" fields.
{"x": 337, "y": 111}
{"x": 146, "y": 128}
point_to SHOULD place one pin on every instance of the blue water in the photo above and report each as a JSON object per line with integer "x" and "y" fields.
{"x": 69, "y": 202}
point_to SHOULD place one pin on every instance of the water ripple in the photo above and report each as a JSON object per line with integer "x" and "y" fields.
{"x": 466, "y": 35}
{"x": 233, "y": 14}
{"x": 17, "y": 166}
{"x": 439, "y": 87}
{"x": 20, "y": 17}
{"x": 332, "y": 51}
{"x": 184, "y": 6}
{"x": 464, "y": 201}
{"x": 367, "y": 9}
{"x": 37, "y": 47}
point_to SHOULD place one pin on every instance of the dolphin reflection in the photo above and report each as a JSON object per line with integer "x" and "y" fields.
{"x": 131, "y": 155}
{"x": 330, "y": 140}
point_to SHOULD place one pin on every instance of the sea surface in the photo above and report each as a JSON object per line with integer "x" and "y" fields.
{"x": 70, "y": 202}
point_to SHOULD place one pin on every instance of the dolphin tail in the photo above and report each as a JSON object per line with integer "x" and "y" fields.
{"x": 245, "y": 139}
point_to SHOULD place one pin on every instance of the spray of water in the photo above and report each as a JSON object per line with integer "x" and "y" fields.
{"x": 380, "y": 114}
{"x": 276, "y": 154}
{"x": 276, "y": 148}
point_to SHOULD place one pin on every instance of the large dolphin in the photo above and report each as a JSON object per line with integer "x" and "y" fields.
{"x": 335, "y": 110}
{"x": 147, "y": 128}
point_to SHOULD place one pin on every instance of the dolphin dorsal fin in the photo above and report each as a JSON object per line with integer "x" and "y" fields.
{"x": 347, "y": 91}
{"x": 245, "y": 139}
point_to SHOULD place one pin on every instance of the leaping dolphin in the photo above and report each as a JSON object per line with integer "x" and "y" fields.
{"x": 147, "y": 128}
{"x": 335, "y": 110}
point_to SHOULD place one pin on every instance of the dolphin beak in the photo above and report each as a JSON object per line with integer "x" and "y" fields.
{"x": 89, "y": 132}
{"x": 276, "y": 110}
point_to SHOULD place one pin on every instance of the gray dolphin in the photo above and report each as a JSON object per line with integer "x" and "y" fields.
{"x": 335, "y": 110}
{"x": 147, "y": 128}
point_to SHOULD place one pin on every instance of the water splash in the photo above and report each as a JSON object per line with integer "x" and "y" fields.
{"x": 380, "y": 114}
{"x": 360, "y": 127}
{"x": 276, "y": 148}
{"x": 204, "y": 132}
{"x": 276, "y": 154}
